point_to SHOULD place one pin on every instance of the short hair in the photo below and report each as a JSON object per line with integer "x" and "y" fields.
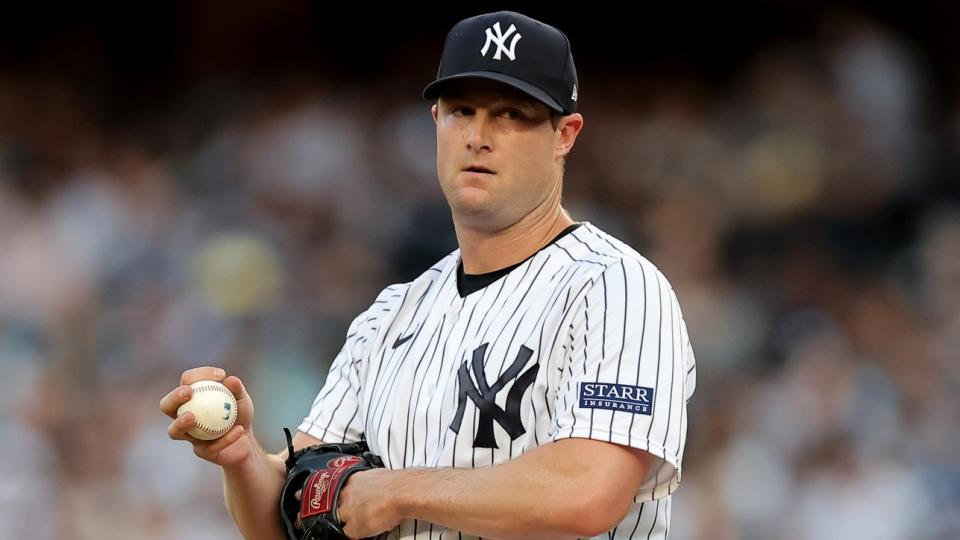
{"x": 555, "y": 118}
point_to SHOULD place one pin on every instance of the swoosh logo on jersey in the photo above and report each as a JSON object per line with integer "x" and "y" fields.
{"x": 400, "y": 341}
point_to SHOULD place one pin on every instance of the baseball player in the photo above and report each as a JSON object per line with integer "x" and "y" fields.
{"x": 532, "y": 383}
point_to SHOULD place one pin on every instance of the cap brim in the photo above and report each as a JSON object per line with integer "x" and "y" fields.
{"x": 435, "y": 89}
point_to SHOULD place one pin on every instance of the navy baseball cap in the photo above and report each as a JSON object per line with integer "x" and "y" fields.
{"x": 515, "y": 50}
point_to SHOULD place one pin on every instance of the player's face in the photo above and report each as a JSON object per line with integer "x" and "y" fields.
{"x": 498, "y": 153}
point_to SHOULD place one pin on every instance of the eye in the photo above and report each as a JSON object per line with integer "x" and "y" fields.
{"x": 513, "y": 114}
{"x": 459, "y": 110}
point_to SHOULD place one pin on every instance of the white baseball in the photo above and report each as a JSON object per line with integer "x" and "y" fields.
{"x": 214, "y": 408}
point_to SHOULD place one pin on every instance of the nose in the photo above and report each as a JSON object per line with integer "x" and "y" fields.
{"x": 478, "y": 133}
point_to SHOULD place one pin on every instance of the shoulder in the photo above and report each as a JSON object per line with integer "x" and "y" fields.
{"x": 388, "y": 303}
{"x": 606, "y": 258}
{"x": 393, "y": 296}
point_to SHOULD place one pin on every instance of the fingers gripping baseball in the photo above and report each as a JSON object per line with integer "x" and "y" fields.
{"x": 234, "y": 418}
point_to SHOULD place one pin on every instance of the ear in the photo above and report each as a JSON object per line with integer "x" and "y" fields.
{"x": 566, "y": 135}
{"x": 435, "y": 111}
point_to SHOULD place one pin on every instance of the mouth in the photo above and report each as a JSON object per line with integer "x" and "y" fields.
{"x": 479, "y": 169}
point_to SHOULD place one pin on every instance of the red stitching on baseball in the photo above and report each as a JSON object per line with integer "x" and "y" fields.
{"x": 201, "y": 425}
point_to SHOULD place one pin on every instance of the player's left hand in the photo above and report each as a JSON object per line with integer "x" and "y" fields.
{"x": 368, "y": 505}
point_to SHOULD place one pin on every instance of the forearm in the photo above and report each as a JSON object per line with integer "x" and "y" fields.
{"x": 485, "y": 504}
{"x": 252, "y": 492}
{"x": 528, "y": 499}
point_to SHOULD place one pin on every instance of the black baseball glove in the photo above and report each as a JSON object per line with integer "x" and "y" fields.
{"x": 320, "y": 471}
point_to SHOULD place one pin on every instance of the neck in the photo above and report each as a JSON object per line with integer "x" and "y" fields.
{"x": 485, "y": 251}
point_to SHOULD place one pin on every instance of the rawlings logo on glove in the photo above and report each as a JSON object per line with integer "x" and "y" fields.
{"x": 319, "y": 473}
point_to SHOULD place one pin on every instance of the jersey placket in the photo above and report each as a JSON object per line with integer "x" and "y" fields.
{"x": 420, "y": 382}
{"x": 442, "y": 375}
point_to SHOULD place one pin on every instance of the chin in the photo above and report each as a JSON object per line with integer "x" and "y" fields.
{"x": 473, "y": 200}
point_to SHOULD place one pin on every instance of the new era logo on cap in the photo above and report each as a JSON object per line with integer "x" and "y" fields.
{"x": 515, "y": 50}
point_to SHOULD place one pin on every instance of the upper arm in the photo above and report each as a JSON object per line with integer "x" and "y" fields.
{"x": 626, "y": 378}
{"x": 300, "y": 440}
{"x": 337, "y": 413}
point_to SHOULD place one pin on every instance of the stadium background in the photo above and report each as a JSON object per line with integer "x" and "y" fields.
{"x": 229, "y": 183}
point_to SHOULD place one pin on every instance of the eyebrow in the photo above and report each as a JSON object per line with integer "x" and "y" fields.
{"x": 518, "y": 103}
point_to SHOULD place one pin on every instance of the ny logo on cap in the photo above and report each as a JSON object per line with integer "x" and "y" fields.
{"x": 500, "y": 39}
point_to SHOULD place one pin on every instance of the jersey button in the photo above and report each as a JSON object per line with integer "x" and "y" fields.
{"x": 453, "y": 315}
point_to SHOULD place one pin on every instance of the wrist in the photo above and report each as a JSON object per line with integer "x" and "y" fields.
{"x": 254, "y": 457}
{"x": 408, "y": 489}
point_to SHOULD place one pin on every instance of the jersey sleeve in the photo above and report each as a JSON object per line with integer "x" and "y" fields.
{"x": 628, "y": 370}
{"x": 336, "y": 415}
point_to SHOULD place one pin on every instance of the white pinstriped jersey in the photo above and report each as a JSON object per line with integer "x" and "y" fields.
{"x": 584, "y": 339}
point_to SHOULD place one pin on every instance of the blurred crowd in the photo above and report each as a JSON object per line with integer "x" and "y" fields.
{"x": 805, "y": 211}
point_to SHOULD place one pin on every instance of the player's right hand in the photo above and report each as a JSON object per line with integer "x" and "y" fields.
{"x": 232, "y": 448}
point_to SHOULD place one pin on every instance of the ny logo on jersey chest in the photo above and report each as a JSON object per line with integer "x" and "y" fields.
{"x": 484, "y": 396}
